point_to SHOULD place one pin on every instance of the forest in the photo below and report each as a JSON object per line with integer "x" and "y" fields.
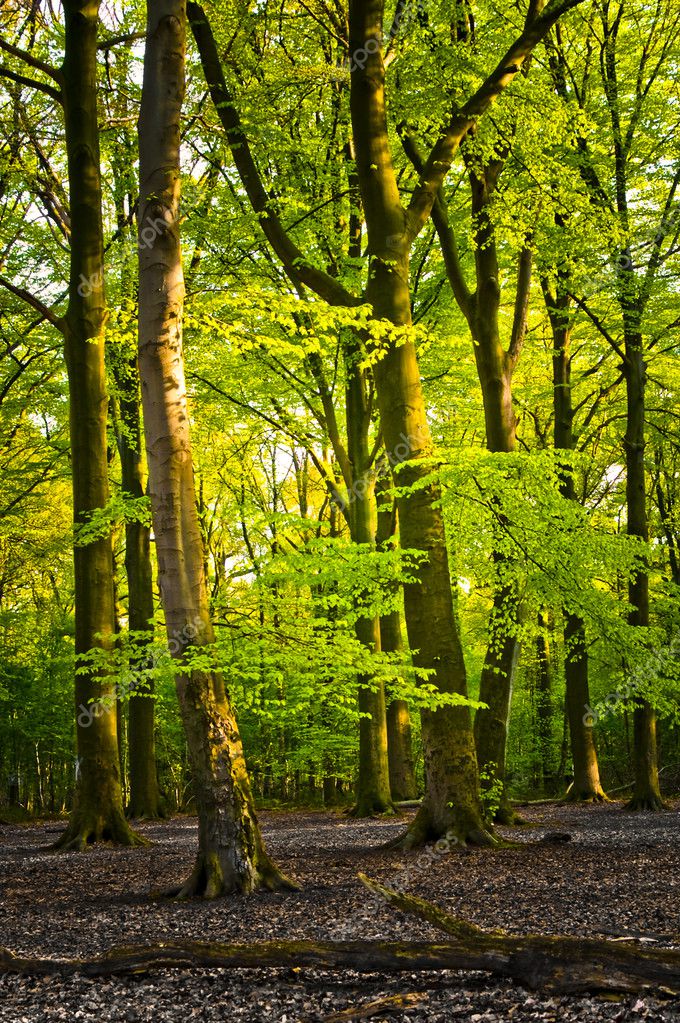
{"x": 339, "y": 535}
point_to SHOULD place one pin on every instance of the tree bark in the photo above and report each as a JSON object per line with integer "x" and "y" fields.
{"x": 231, "y": 854}
{"x": 557, "y": 964}
{"x": 98, "y": 812}
{"x": 373, "y": 788}
{"x": 399, "y": 742}
{"x": 144, "y": 794}
{"x": 646, "y": 793}
{"x": 452, "y": 791}
{"x": 544, "y": 703}
{"x": 586, "y": 786}
{"x": 495, "y": 367}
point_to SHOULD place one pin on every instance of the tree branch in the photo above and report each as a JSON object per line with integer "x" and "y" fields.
{"x": 28, "y": 58}
{"x": 35, "y": 303}
{"x": 299, "y": 270}
{"x": 31, "y": 83}
{"x": 443, "y": 152}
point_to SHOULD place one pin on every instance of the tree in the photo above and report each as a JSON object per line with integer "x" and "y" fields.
{"x": 586, "y": 786}
{"x": 231, "y": 854}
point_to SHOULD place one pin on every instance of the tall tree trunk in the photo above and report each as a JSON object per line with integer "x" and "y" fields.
{"x": 495, "y": 367}
{"x": 399, "y": 743}
{"x": 451, "y": 801}
{"x": 144, "y": 794}
{"x": 544, "y": 702}
{"x": 646, "y": 794}
{"x": 373, "y": 786}
{"x": 231, "y": 854}
{"x": 98, "y": 813}
{"x": 586, "y": 786}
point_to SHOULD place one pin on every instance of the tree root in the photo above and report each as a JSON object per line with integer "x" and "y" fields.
{"x": 87, "y": 829}
{"x": 421, "y": 831}
{"x": 585, "y": 796}
{"x": 208, "y": 880}
{"x": 365, "y": 808}
{"x": 651, "y": 803}
{"x": 507, "y": 815}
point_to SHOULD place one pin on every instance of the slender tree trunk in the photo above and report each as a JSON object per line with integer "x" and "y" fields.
{"x": 144, "y": 794}
{"x": 646, "y": 794}
{"x": 373, "y": 785}
{"x": 98, "y": 813}
{"x": 399, "y": 744}
{"x": 495, "y": 367}
{"x": 231, "y": 853}
{"x": 586, "y": 786}
{"x": 451, "y": 801}
{"x": 544, "y": 703}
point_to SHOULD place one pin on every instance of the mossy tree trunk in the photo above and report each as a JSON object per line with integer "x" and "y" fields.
{"x": 98, "y": 813}
{"x": 373, "y": 786}
{"x": 495, "y": 367}
{"x": 231, "y": 854}
{"x": 544, "y": 698}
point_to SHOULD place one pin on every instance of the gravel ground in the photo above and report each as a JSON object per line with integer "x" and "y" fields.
{"x": 618, "y": 876}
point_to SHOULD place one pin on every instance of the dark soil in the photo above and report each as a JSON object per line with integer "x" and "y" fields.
{"x": 618, "y": 876}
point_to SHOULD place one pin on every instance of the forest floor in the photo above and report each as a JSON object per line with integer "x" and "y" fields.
{"x": 618, "y": 876}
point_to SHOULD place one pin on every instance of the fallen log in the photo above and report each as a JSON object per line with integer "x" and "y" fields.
{"x": 560, "y": 963}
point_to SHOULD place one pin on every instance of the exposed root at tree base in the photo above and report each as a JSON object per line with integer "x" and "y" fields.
{"x": 646, "y": 804}
{"x": 146, "y": 814}
{"x": 508, "y": 816}
{"x": 586, "y": 796}
{"x": 368, "y": 809}
{"x": 422, "y": 832}
{"x": 83, "y": 832}
{"x": 207, "y": 881}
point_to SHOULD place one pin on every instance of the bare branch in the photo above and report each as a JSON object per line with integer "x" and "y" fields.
{"x": 35, "y": 303}
{"x": 31, "y": 83}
